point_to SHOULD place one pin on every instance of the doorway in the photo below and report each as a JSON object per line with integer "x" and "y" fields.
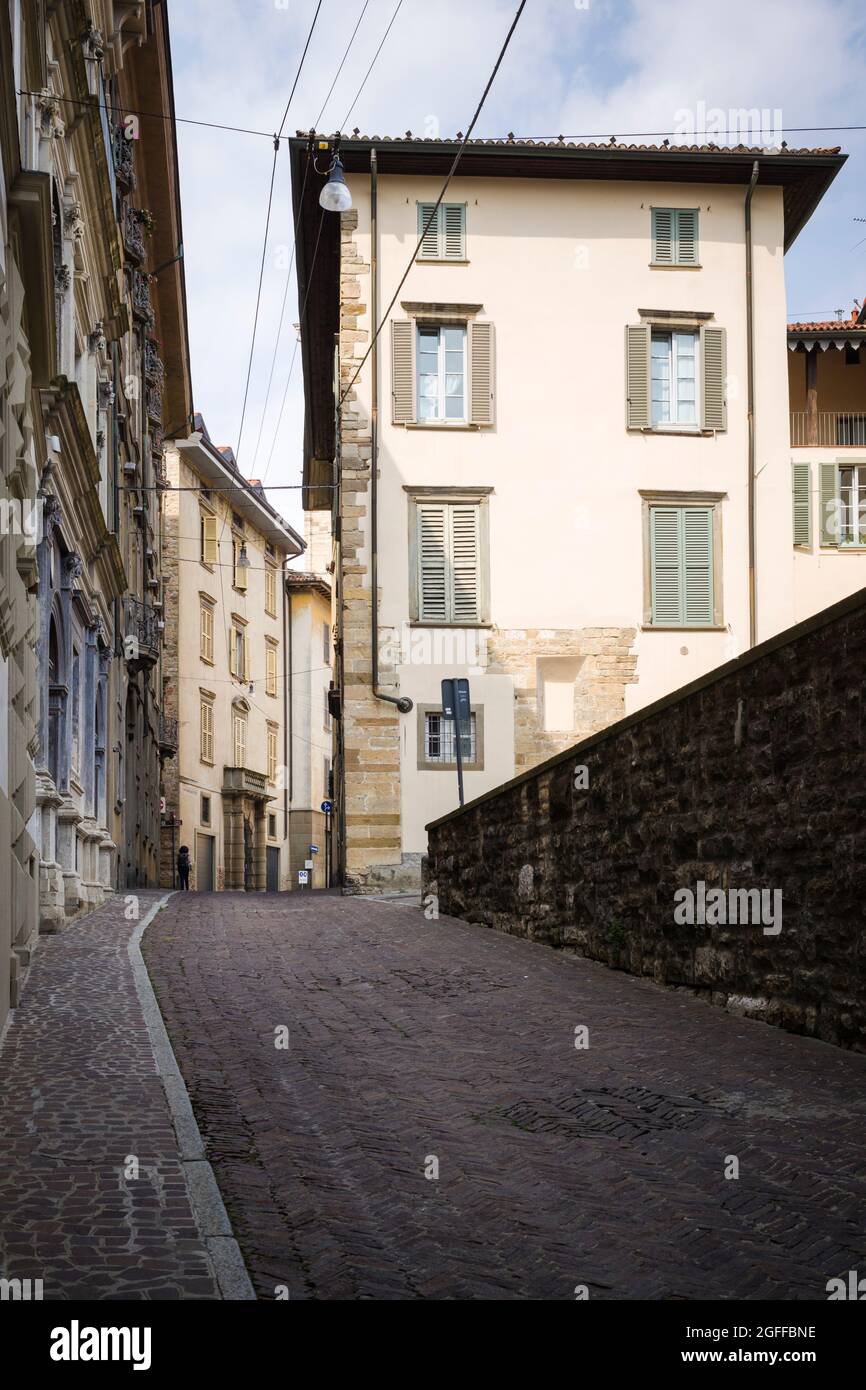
{"x": 204, "y": 863}
{"x": 273, "y": 875}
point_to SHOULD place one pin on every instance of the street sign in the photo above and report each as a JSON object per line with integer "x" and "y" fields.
{"x": 303, "y": 877}
{"x": 327, "y": 807}
{"x": 314, "y": 849}
{"x": 455, "y": 706}
{"x": 308, "y": 863}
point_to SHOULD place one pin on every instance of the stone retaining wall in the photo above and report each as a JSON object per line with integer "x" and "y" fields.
{"x": 752, "y": 778}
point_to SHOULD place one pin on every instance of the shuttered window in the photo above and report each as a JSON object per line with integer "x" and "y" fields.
{"x": 449, "y": 560}
{"x": 272, "y": 753}
{"x": 206, "y": 731}
{"x": 271, "y": 678}
{"x": 681, "y": 566}
{"x": 801, "y": 495}
{"x": 240, "y": 571}
{"x": 209, "y": 543}
{"x": 239, "y": 653}
{"x": 675, "y": 378}
{"x": 442, "y": 373}
{"x": 240, "y": 740}
{"x": 675, "y": 236}
{"x": 443, "y": 232}
{"x": 206, "y": 635}
{"x": 270, "y": 591}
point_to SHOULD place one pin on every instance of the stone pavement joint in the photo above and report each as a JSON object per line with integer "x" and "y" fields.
{"x": 411, "y": 1039}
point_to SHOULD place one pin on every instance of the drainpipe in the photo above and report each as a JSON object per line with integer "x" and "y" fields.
{"x": 750, "y": 406}
{"x": 403, "y": 703}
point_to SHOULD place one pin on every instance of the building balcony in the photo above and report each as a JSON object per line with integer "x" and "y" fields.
{"x": 828, "y": 429}
{"x": 153, "y": 401}
{"x": 142, "y": 308}
{"x": 154, "y": 369}
{"x": 167, "y": 736}
{"x": 241, "y": 781}
{"x": 124, "y": 164}
{"x": 141, "y": 634}
{"x": 133, "y": 236}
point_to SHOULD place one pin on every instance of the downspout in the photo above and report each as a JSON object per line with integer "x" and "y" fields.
{"x": 750, "y": 406}
{"x": 403, "y": 703}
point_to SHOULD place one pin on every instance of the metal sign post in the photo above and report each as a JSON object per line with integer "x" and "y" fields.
{"x": 455, "y": 706}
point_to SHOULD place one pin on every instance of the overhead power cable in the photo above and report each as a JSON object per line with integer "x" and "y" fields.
{"x": 267, "y": 227}
{"x": 370, "y": 68}
{"x": 434, "y": 210}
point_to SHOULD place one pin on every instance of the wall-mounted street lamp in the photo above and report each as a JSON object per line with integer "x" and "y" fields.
{"x": 335, "y": 195}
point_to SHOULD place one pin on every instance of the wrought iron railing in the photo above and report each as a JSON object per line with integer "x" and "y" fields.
{"x": 167, "y": 734}
{"x": 142, "y": 623}
{"x": 124, "y": 164}
{"x": 141, "y": 305}
{"x": 828, "y": 429}
{"x": 133, "y": 236}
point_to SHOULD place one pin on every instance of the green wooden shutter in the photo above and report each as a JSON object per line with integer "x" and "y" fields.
{"x": 686, "y": 249}
{"x": 666, "y": 572}
{"x": 663, "y": 236}
{"x": 830, "y": 505}
{"x": 403, "y": 371}
{"x": 697, "y": 543}
{"x": 681, "y": 566}
{"x": 714, "y": 414}
{"x": 481, "y": 374}
{"x": 464, "y": 597}
{"x": 454, "y": 231}
{"x": 433, "y": 578}
{"x": 801, "y": 493}
{"x": 429, "y": 248}
{"x": 637, "y": 374}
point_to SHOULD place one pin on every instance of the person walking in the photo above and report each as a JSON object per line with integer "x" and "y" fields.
{"x": 183, "y": 867}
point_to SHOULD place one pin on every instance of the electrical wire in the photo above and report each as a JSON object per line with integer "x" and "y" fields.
{"x": 510, "y": 138}
{"x": 295, "y": 349}
{"x": 443, "y": 190}
{"x": 342, "y": 61}
{"x": 345, "y": 121}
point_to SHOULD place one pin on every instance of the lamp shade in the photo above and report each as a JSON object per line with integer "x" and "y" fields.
{"x": 335, "y": 196}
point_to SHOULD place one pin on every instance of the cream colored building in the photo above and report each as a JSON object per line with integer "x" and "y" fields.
{"x": 827, "y": 372}
{"x": 564, "y": 471}
{"x": 309, "y": 771}
{"x": 224, "y": 672}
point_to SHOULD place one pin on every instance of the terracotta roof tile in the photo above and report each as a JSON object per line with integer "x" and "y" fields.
{"x": 562, "y": 143}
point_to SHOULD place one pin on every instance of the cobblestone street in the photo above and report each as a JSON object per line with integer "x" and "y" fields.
{"x": 413, "y": 1041}
{"x": 80, "y": 1095}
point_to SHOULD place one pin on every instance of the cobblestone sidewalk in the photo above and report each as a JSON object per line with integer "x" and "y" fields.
{"x": 80, "y": 1098}
{"x": 414, "y": 1044}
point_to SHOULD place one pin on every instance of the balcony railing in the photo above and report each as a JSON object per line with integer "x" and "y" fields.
{"x": 153, "y": 398}
{"x": 142, "y": 627}
{"x": 124, "y": 165}
{"x": 141, "y": 305}
{"x": 154, "y": 369}
{"x": 828, "y": 429}
{"x": 244, "y": 781}
{"x": 133, "y": 236}
{"x": 167, "y": 735}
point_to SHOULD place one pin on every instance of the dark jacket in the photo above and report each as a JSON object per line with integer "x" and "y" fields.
{"x": 183, "y": 862}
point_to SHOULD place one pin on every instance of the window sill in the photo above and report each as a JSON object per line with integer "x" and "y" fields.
{"x": 441, "y": 260}
{"x": 686, "y": 431}
{"x": 446, "y": 425}
{"x": 663, "y": 265}
{"x": 424, "y": 622}
{"x": 704, "y": 627}
{"x": 449, "y": 767}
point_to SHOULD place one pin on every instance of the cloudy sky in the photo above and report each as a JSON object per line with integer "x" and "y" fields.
{"x": 576, "y": 67}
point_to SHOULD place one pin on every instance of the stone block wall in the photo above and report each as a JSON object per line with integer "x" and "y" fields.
{"x": 753, "y": 777}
